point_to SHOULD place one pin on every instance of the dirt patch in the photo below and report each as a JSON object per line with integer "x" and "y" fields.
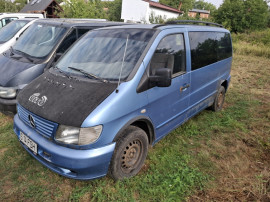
{"x": 2, "y": 151}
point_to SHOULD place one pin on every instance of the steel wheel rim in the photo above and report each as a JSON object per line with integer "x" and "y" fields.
{"x": 131, "y": 156}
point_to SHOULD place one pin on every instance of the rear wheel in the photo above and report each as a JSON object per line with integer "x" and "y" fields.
{"x": 219, "y": 99}
{"x": 130, "y": 153}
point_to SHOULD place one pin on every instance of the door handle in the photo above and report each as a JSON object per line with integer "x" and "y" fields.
{"x": 183, "y": 88}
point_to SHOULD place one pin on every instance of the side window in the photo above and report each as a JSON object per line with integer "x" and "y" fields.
{"x": 5, "y": 21}
{"x": 170, "y": 53}
{"x": 81, "y": 32}
{"x": 224, "y": 46}
{"x": 70, "y": 39}
{"x": 67, "y": 42}
{"x": 208, "y": 48}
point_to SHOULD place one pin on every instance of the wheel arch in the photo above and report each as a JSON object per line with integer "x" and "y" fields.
{"x": 224, "y": 83}
{"x": 141, "y": 122}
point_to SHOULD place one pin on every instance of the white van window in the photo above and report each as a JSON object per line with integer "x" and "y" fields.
{"x": 10, "y": 30}
{"x": 5, "y": 21}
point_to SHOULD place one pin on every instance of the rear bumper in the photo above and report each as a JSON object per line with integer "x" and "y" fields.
{"x": 72, "y": 163}
{"x": 8, "y": 105}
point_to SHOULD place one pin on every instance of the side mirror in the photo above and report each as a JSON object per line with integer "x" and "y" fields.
{"x": 162, "y": 78}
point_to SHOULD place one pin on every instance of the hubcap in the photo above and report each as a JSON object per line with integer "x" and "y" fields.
{"x": 131, "y": 156}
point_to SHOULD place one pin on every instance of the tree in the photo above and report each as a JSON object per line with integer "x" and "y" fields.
{"x": 114, "y": 10}
{"x": 201, "y": 4}
{"x": 83, "y": 9}
{"x": 256, "y": 14}
{"x": 241, "y": 15}
{"x": 186, "y": 4}
{"x": 7, "y": 6}
{"x": 231, "y": 15}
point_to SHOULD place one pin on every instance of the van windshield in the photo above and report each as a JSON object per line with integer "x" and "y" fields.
{"x": 102, "y": 52}
{"x": 39, "y": 40}
{"x": 11, "y": 29}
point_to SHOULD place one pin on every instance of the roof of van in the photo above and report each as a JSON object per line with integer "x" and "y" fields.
{"x": 170, "y": 26}
{"x": 79, "y": 22}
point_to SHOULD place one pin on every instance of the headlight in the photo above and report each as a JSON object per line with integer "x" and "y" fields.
{"x": 8, "y": 92}
{"x": 77, "y": 136}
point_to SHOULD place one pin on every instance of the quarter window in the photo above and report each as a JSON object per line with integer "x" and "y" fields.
{"x": 208, "y": 48}
{"x": 170, "y": 53}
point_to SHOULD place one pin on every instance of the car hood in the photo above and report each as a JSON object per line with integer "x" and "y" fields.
{"x": 9, "y": 68}
{"x": 67, "y": 101}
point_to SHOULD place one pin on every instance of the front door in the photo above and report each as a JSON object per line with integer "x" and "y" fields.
{"x": 168, "y": 105}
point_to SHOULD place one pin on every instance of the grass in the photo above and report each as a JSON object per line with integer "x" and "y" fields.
{"x": 255, "y": 43}
{"x": 214, "y": 156}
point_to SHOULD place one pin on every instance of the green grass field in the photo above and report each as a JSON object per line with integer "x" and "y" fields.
{"x": 214, "y": 156}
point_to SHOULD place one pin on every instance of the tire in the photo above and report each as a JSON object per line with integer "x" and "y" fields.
{"x": 219, "y": 99}
{"x": 129, "y": 154}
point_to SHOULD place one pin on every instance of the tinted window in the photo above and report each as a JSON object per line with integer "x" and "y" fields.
{"x": 68, "y": 41}
{"x": 209, "y": 47}
{"x": 170, "y": 53}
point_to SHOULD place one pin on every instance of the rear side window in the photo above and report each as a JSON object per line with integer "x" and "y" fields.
{"x": 208, "y": 48}
{"x": 70, "y": 39}
{"x": 171, "y": 54}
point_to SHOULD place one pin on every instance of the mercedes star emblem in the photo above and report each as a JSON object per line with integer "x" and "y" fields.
{"x": 32, "y": 121}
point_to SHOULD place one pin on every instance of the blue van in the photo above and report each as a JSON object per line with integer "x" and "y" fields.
{"x": 119, "y": 90}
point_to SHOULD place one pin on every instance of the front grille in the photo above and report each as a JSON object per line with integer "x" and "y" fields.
{"x": 42, "y": 126}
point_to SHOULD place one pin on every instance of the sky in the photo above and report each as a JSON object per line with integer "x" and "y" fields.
{"x": 217, "y": 3}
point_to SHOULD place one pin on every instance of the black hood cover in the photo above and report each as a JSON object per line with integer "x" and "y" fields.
{"x": 10, "y": 68}
{"x": 64, "y": 100}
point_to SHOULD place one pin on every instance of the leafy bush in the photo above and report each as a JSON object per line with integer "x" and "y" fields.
{"x": 242, "y": 15}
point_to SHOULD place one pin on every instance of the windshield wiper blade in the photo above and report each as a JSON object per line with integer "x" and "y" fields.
{"x": 63, "y": 72}
{"x": 23, "y": 54}
{"x": 89, "y": 74}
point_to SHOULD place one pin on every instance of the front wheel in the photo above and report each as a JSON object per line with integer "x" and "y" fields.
{"x": 219, "y": 99}
{"x": 130, "y": 153}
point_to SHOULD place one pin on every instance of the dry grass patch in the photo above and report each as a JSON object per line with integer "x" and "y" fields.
{"x": 243, "y": 172}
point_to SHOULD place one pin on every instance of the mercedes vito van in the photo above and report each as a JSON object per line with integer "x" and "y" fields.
{"x": 119, "y": 90}
{"x": 11, "y": 33}
{"x": 38, "y": 47}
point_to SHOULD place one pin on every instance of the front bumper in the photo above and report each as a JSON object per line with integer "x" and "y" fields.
{"x": 72, "y": 163}
{"x": 8, "y": 105}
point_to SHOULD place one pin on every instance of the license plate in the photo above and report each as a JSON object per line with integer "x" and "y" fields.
{"x": 28, "y": 142}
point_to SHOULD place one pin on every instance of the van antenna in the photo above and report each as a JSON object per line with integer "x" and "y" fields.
{"x": 117, "y": 90}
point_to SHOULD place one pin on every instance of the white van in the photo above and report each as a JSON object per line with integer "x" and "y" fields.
{"x": 6, "y": 18}
{"x": 10, "y": 33}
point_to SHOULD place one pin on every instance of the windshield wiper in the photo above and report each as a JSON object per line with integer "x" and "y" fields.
{"x": 89, "y": 75}
{"x": 23, "y": 54}
{"x": 63, "y": 72}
